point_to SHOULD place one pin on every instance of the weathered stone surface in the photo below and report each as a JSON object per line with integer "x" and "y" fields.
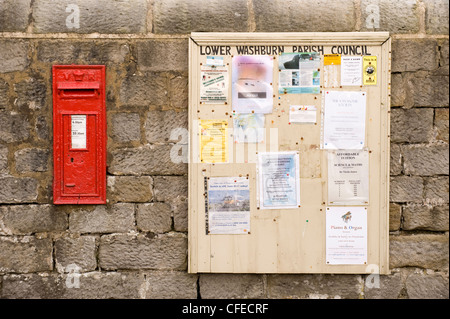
{"x": 441, "y": 121}
{"x": 432, "y": 91}
{"x": 18, "y": 190}
{"x": 392, "y": 16}
{"x": 102, "y": 219}
{"x": 180, "y": 215}
{"x": 426, "y": 217}
{"x": 25, "y": 254}
{"x": 13, "y": 55}
{"x": 150, "y": 88}
{"x": 160, "y": 126}
{"x": 179, "y": 91}
{"x": 383, "y": 287}
{"x": 185, "y": 16}
{"x": 31, "y": 94}
{"x": 148, "y": 160}
{"x": 28, "y": 219}
{"x": 162, "y": 252}
{"x": 130, "y": 188}
{"x": 436, "y": 16}
{"x": 108, "y": 16}
{"x": 426, "y": 160}
{"x": 14, "y": 15}
{"x": 13, "y": 127}
{"x": 32, "y": 160}
{"x": 397, "y": 90}
{"x": 3, "y": 94}
{"x": 313, "y": 286}
{"x": 154, "y": 217}
{"x": 231, "y": 286}
{"x": 162, "y": 55}
{"x": 420, "y": 285}
{"x": 423, "y": 250}
{"x": 414, "y": 54}
{"x": 67, "y": 52}
{"x": 406, "y": 189}
{"x": 41, "y": 128}
{"x": 93, "y": 285}
{"x": 170, "y": 285}
{"x": 171, "y": 188}
{"x": 437, "y": 190}
{"x": 411, "y": 125}
{"x": 395, "y": 216}
{"x": 3, "y": 158}
{"x": 126, "y": 127}
{"x": 396, "y": 161}
{"x": 75, "y": 254}
{"x": 291, "y": 16}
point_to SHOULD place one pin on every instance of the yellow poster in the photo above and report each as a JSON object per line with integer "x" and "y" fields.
{"x": 213, "y": 141}
{"x": 369, "y": 70}
{"x": 332, "y": 59}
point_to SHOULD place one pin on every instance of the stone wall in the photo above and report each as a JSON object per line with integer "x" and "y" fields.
{"x": 136, "y": 245}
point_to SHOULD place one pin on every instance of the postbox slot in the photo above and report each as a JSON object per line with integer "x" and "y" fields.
{"x": 78, "y": 89}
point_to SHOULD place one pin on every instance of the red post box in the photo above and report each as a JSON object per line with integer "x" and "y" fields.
{"x": 79, "y": 134}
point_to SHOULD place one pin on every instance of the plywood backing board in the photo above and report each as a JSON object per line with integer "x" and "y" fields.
{"x": 286, "y": 240}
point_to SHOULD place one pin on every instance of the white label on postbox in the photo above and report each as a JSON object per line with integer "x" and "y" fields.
{"x": 78, "y": 131}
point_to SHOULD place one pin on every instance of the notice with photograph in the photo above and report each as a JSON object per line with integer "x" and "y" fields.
{"x": 279, "y": 180}
{"x": 299, "y": 73}
{"x": 346, "y": 235}
{"x": 213, "y": 141}
{"x": 344, "y": 120}
{"x": 306, "y": 114}
{"x": 252, "y": 90}
{"x": 248, "y": 128}
{"x": 228, "y": 205}
{"x": 348, "y": 177}
{"x": 214, "y": 84}
{"x": 351, "y": 71}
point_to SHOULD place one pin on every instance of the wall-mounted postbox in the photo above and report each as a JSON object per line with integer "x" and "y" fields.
{"x": 79, "y": 134}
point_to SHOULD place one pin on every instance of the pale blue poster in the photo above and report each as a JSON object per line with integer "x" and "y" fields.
{"x": 248, "y": 128}
{"x": 279, "y": 180}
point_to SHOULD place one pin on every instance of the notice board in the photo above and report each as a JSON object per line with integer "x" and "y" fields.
{"x": 289, "y": 152}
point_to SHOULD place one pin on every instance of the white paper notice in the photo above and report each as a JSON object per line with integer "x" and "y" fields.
{"x": 344, "y": 120}
{"x": 302, "y": 114}
{"x": 228, "y": 205}
{"x": 348, "y": 177}
{"x": 214, "y": 84}
{"x": 279, "y": 180}
{"x": 351, "y": 70}
{"x": 346, "y": 235}
{"x": 78, "y": 128}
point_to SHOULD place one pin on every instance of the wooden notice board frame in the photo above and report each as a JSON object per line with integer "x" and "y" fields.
{"x": 287, "y": 240}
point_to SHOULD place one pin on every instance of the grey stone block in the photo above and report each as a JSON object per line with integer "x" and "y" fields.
{"x": 304, "y": 16}
{"x": 162, "y": 252}
{"x": 393, "y": 16}
{"x": 29, "y": 219}
{"x": 185, "y": 16}
{"x": 426, "y": 160}
{"x": 406, "y": 189}
{"x": 25, "y": 254}
{"x": 171, "y": 188}
{"x": 436, "y": 16}
{"x": 18, "y": 190}
{"x": 414, "y": 55}
{"x": 422, "y": 250}
{"x": 163, "y": 55}
{"x": 421, "y": 285}
{"x": 437, "y": 190}
{"x": 31, "y": 94}
{"x": 412, "y": 125}
{"x": 130, "y": 188}
{"x": 389, "y": 286}
{"x": 428, "y": 91}
{"x": 75, "y": 254}
{"x": 144, "y": 90}
{"x": 3, "y": 94}
{"x": 160, "y": 126}
{"x": 425, "y": 217}
{"x": 85, "y": 16}
{"x": 102, "y": 219}
{"x": 14, "y": 15}
{"x": 395, "y": 216}
{"x": 13, "y": 127}
{"x": 441, "y": 121}
{"x": 3, "y": 158}
{"x": 231, "y": 286}
{"x": 126, "y": 127}
{"x": 154, "y": 217}
{"x": 170, "y": 285}
{"x": 148, "y": 160}
{"x": 179, "y": 92}
{"x": 13, "y": 55}
{"x": 32, "y": 160}
{"x": 396, "y": 161}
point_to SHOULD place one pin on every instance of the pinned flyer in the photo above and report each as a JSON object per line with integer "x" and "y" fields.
{"x": 214, "y": 85}
{"x": 306, "y": 114}
{"x": 346, "y": 235}
{"x": 370, "y": 70}
{"x": 214, "y": 60}
{"x": 351, "y": 71}
{"x": 213, "y": 141}
{"x": 299, "y": 73}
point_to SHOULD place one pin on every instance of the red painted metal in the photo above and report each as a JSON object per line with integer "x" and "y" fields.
{"x": 79, "y": 134}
